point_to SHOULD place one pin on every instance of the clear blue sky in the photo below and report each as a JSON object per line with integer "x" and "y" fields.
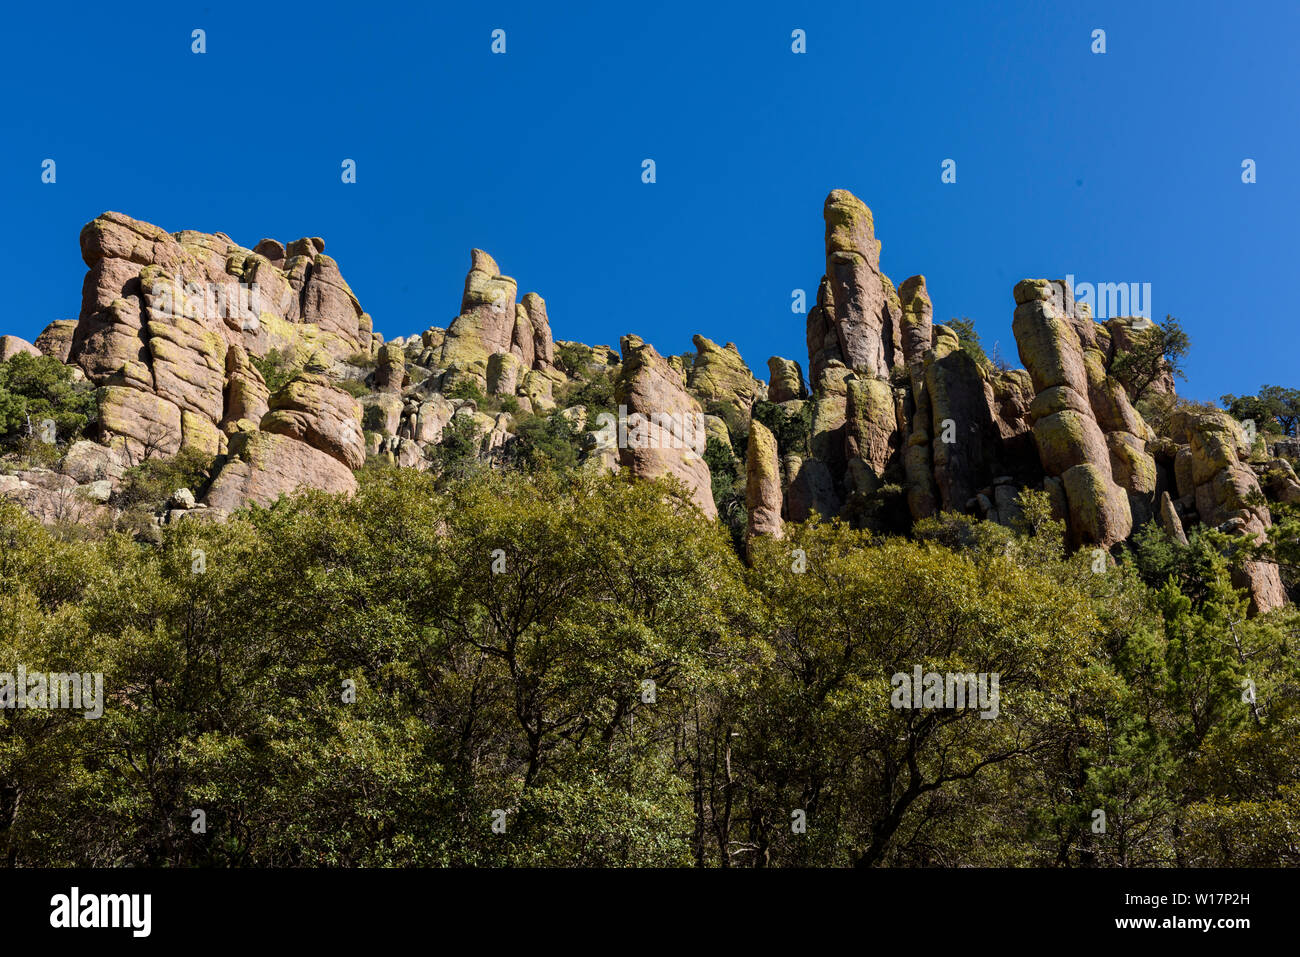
{"x": 1117, "y": 167}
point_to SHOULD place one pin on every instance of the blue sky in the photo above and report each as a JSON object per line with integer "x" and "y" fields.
{"x": 1120, "y": 167}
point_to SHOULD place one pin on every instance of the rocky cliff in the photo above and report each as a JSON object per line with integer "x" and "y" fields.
{"x": 897, "y": 422}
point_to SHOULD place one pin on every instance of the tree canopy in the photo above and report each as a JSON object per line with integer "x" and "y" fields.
{"x": 568, "y": 669}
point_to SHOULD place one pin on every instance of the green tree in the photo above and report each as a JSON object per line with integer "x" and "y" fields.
{"x": 1274, "y": 409}
{"x": 276, "y": 368}
{"x": 36, "y": 388}
{"x": 1153, "y": 354}
{"x": 969, "y": 340}
{"x": 541, "y": 442}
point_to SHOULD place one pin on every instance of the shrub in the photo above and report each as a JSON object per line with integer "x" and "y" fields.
{"x": 470, "y": 390}
{"x": 277, "y": 369}
{"x": 36, "y": 388}
{"x": 574, "y": 358}
{"x": 792, "y": 430}
{"x": 152, "y": 481}
{"x": 969, "y": 340}
{"x": 457, "y": 454}
{"x": 596, "y": 393}
{"x": 372, "y": 418}
{"x": 543, "y": 441}
{"x": 737, "y": 425}
{"x": 363, "y": 360}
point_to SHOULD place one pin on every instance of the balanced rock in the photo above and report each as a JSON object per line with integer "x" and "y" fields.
{"x": 785, "y": 380}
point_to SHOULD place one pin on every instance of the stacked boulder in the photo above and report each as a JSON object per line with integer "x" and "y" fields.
{"x": 1075, "y": 410}
{"x": 665, "y": 424}
{"x": 310, "y": 436}
{"x": 496, "y": 342}
{"x": 168, "y": 323}
{"x": 1215, "y": 483}
{"x": 856, "y": 319}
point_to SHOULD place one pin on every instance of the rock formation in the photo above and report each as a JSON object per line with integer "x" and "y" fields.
{"x": 785, "y": 381}
{"x": 856, "y": 317}
{"x": 665, "y": 425}
{"x": 762, "y": 483}
{"x": 56, "y": 339}
{"x": 719, "y": 375}
{"x": 181, "y": 333}
{"x": 262, "y": 466}
{"x": 161, "y": 313}
{"x": 12, "y": 345}
{"x": 1212, "y": 478}
{"x": 1072, "y": 446}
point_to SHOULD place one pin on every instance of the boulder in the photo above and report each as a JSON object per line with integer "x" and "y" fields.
{"x": 665, "y": 425}
{"x": 54, "y": 498}
{"x": 56, "y": 339}
{"x": 11, "y": 346}
{"x": 262, "y": 466}
{"x": 872, "y": 433}
{"x": 139, "y": 424}
{"x": 382, "y": 413}
{"x": 181, "y": 498}
{"x": 1280, "y": 482}
{"x": 503, "y": 372}
{"x": 1170, "y": 521}
{"x": 424, "y": 422}
{"x": 762, "y": 484}
{"x": 785, "y": 380}
{"x": 719, "y": 375}
{"x": 1099, "y": 509}
{"x": 310, "y": 409}
{"x": 390, "y": 372}
{"x": 87, "y": 461}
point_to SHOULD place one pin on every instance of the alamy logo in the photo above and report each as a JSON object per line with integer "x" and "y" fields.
{"x": 1109, "y": 300}
{"x": 74, "y": 909}
{"x": 209, "y": 301}
{"x": 658, "y": 430}
{"x": 951, "y": 690}
{"x": 38, "y": 690}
